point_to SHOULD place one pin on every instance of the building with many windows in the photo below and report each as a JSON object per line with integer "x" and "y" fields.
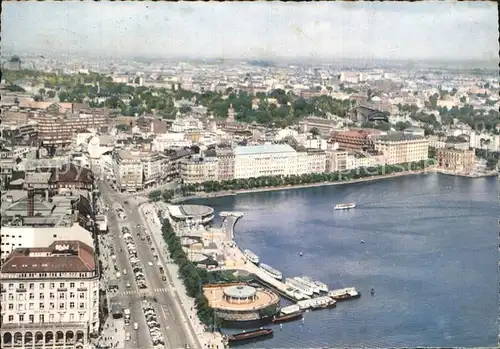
{"x": 50, "y": 296}
{"x": 135, "y": 170}
{"x": 457, "y": 160}
{"x": 400, "y": 148}
{"x": 264, "y": 160}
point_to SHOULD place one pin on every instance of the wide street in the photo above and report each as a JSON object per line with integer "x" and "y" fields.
{"x": 176, "y": 329}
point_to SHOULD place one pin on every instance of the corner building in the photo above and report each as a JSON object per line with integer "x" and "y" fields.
{"x": 50, "y": 296}
{"x": 401, "y": 148}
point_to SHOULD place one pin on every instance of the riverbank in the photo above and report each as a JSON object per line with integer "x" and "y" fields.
{"x": 301, "y": 186}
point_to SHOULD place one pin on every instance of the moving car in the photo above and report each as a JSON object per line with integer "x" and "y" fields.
{"x": 136, "y": 326}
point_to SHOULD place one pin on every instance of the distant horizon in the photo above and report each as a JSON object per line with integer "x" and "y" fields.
{"x": 320, "y": 31}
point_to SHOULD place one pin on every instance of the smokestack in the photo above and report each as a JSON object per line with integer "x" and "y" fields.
{"x": 31, "y": 202}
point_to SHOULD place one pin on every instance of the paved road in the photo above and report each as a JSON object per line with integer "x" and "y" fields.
{"x": 141, "y": 337}
{"x": 170, "y": 316}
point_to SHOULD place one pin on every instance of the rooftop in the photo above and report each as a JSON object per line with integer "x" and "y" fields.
{"x": 263, "y": 149}
{"x": 60, "y": 256}
{"x": 399, "y": 137}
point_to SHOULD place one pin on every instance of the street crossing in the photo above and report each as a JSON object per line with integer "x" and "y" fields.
{"x": 146, "y": 292}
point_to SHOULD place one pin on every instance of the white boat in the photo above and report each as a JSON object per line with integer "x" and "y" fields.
{"x": 290, "y": 309}
{"x": 316, "y": 303}
{"x": 322, "y": 286}
{"x": 299, "y": 286}
{"x": 271, "y": 271}
{"x": 252, "y": 257}
{"x": 345, "y": 206}
{"x": 307, "y": 283}
{"x": 295, "y": 294}
{"x": 344, "y": 293}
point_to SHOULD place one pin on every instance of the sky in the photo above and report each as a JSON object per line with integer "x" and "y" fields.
{"x": 262, "y": 30}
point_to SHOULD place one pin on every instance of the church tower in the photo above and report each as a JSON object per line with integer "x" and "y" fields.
{"x": 230, "y": 114}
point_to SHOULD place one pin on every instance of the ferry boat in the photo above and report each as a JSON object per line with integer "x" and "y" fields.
{"x": 317, "y": 303}
{"x": 322, "y": 286}
{"x": 308, "y": 283}
{"x": 246, "y": 336}
{"x": 295, "y": 294}
{"x": 345, "y": 206}
{"x": 252, "y": 257}
{"x": 288, "y": 313}
{"x": 271, "y": 271}
{"x": 344, "y": 294}
{"x": 299, "y": 286}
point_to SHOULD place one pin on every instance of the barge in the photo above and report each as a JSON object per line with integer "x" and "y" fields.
{"x": 252, "y": 257}
{"x": 248, "y": 336}
{"x": 344, "y": 294}
{"x": 289, "y": 313}
{"x": 324, "y": 302}
{"x": 345, "y": 206}
{"x": 271, "y": 271}
{"x": 295, "y": 294}
{"x": 322, "y": 286}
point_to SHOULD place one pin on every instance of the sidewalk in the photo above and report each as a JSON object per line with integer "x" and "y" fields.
{"x": 206, "y": 339}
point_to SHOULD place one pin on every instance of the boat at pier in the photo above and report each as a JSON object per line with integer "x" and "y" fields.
{"x": 271, "y": 271}
{"x": 247, "y": 336}
{"x": 289, "y": 313}
{"x": 322, "y": 286}
{"x": 252, "y": 257}
{"x": 344, "y": 294}
{"x": 307, "y": 283}
{"x": 317, "y": 303}
{"x": 345, "y": 206}
{"x": 295, "y": 294}
{"x": 299, "y": 286}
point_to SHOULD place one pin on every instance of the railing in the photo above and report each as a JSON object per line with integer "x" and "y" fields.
{"x": 45, "y": 326}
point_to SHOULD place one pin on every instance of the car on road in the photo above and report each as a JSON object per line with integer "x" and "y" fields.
{"x": 150, "y": 264}
{"x": 136, "y": 326}
{"x": 126, "y": 202}
{"x": 128, "y": 285}
{"x": 127, "y": 336}
{"x": 124, "y": 271}
{"x": 163, "y": 278}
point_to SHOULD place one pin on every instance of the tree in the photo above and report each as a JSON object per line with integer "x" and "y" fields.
{"x": 51, "y": 93}
{"x": 315, "y": 132}
{"x": 41, "y": 91}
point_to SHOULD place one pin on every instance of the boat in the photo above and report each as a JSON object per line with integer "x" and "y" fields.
{"x": 271, "y": 271}
{"x": 322, "y": 286}
{"x": 345, "y": 206}
{"x": 295, "y": 294}
{"x": 307, "y": 283}
{"x": 299, "y": 286}
{"x": 288, "y": 313}
{"x": 317, "y": 303}
{"x": 246, "y": 336}
{"x": 344, "y": 294}
{"x": 252, "y": 257}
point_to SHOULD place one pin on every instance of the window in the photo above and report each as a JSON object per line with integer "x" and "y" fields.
{"x": 11, "y": 297}
{"x": 32, "y": 296}
{"x": 81, "y": 317}
{"x": 82, "y": 305}
{"x": 11, "y": 318}
{"x": 82, "y": 295}
{"x": 42, "y": 296}
{"x": 41, "y": 306}
{"x": 51, "y": 305}
{"x": 82, "y": 284}
{"x": 61, "y": 295}
{"x": 20, "y": 297}
{"x": 61, "y": 305}
{"x": 21, "y": 286}
{"x": 51, "y": 317}
{"x": 31, "y": 318}
{"x": 41, "y": 318}
{"x": 52, "y": 285}
{"x": 31, "y": 306}
{"x": 71, "y": 317}
{"x": 20, "y": 307}
{"x": 21, "y": 318}
{"x": 72, "y": 305}
{"x": 61, "y": 285}
{"x": 72, "y": 285}
{"x": 52, "y": 295}
{"x": 11, "y": 306}
{"x": 42, "y": 286}
{"x": 72, "y": 295}
{"x": 32, "y": 286}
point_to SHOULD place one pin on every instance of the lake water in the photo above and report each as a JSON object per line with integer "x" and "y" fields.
{"x": 430, "y": 253}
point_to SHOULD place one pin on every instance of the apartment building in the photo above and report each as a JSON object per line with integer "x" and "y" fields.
{"x": 198, "y": 169}
{"x": 225, "y": 156}
{"x": 457, "y": 160}
{"x": 127, "y": 169}
{"x": 336, "y": 160}
{"x": 50, "y": 296}
{"x": 357, "y": 140}
{"x": 264, "y": 160}
{"x": 399, "y": 148}
{"x": 59, "y": 130}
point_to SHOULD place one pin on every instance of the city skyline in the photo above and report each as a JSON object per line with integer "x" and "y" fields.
{"x": 399, "y": 31}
